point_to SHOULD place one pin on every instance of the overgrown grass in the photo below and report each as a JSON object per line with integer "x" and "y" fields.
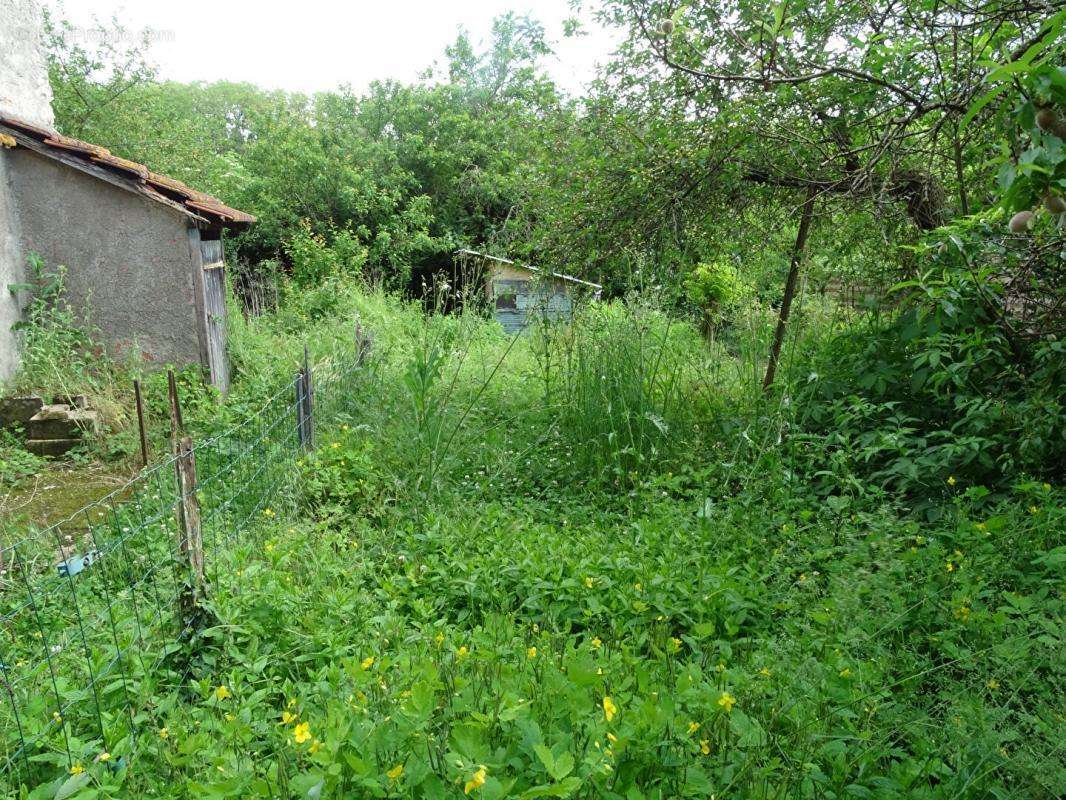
{"x": 591, "y": 561}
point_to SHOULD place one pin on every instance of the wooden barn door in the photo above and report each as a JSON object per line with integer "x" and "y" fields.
{"x": 215, "y": 309}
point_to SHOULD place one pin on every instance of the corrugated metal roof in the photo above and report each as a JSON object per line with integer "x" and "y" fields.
{"x": 561, "y": 276}
{"x": 136, "y": 177}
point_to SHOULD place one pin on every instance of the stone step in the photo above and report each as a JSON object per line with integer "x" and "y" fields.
{"x": 61, "y": 422}
{"x": 18, "y": 411}
{"x": 50, "y": 448}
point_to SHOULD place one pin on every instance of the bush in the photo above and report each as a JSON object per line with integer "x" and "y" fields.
{"x": 716, "y": 289}
{"x": 942, "y": 389}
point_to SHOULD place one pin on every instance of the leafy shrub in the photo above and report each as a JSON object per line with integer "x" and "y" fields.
{"x": 314, "y": 260}
{"x": 716, "y": 289}
{"x": 942, "y": 388}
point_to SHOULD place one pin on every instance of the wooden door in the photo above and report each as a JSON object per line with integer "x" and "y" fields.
{"x": 215, "y": 310}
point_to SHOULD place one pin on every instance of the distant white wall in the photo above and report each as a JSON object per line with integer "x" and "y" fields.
{"x": 24, "y": 88}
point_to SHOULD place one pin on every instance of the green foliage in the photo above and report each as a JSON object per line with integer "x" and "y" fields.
{"x": 313, "y": 261}
{"x": 939, "y": 389}
{"x": 57, "y": 355}
{"x": 715, "y": 288}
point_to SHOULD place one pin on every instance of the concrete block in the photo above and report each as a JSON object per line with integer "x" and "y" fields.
{"x": 18, "y": 411}
{"x": 69, "y": 424}
{"x": 51, "y": 448}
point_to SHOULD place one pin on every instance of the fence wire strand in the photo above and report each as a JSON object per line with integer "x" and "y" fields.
{"x": 90, "y": 605}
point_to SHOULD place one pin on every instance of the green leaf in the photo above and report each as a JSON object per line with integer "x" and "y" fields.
{"x": 73, "y": 785}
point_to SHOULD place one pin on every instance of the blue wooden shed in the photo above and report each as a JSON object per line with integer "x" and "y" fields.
{"x": 518, "y": 294}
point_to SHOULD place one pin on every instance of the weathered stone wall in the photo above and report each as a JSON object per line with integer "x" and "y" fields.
{"x": 10, "y": 272}
{"x": 25, "y": 93}
{"x": 24, "y": 88}
{"x": 129, "y": 264}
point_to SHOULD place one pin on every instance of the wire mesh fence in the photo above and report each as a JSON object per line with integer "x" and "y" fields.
{"x": 92, "y": 608}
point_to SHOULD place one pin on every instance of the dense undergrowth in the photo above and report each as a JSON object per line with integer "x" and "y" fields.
{"x": 596, "y": 561}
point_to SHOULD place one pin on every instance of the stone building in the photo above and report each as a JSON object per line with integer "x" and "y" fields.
{"x": 142, "y": 252}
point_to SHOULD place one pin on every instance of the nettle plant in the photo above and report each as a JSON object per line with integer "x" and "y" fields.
{"x": 53, "y": 344}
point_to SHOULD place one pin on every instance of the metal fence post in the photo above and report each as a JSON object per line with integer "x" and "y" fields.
{"x": 309, "y": 404}
{"x": 301, "y": 427}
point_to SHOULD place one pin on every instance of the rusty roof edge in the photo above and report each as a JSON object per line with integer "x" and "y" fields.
{"x": 130, "y": 175}
{"x": 90, "y": 167}
{"x": 467, "y": 252}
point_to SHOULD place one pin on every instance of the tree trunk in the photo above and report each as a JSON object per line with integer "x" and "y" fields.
{"x": 790, "y": 285}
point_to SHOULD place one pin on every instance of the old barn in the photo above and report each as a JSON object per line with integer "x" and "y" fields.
{"x": 142, "y": 252}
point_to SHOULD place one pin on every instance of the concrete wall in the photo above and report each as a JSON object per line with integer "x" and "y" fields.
{"x": 130, "y": 268}
{"x": 25, "y": 93}
{"x": 24, "y": 88}
{"x": 10, "y": 272}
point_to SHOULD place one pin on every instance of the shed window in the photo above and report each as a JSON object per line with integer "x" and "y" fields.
{"x": 507, "y": 301}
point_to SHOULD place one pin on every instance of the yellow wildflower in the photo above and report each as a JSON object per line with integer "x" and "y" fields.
{"x": 1034, "y": 510}
{"x": 675, "y": 644}
{"x": 477, "y": 780}
{"x": 993, "y": 684}
{"x": 222, "y": 693}
{"x": 302, "y": 732}
{"x": 462, "y": 652}
{"x": 727, "y": 701}
{"x": 588, "y": 583}
{"x": 367, "y": 663}
{"x": 951, "y": 480}
{"x": 764, "y": 672}
{"x": 288, "y": 717}
{"x": 705, "y": 747}
{"x": 105, "y": 756}
{"x": 335, "y": 445}
{"x": 531, "y": 652}
{"x": 693, "y": 727}
{"x": 315, "y": 746}
{"x": 950, "y": 567}
{"x": 439, "y": 638}
{"x": 164, "y": 733}
{"x": 845, "y": 673}
{"x": 639, "y": 587}
{"x": 611, "y": 737}
{"x": 77, "y": 769}
{"x": 395, "y": 772}
{"x": 609, "y": 708}
{"x": 597, "y": 643}
{"x": 270, "y": 547}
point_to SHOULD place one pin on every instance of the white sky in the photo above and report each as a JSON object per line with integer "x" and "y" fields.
{"x": 314, "y": 45}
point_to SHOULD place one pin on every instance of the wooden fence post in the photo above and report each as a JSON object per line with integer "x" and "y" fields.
{"x": 189, "y": 552}
{"x": 191, "y": 542}
{"x": 140, "y": 422}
